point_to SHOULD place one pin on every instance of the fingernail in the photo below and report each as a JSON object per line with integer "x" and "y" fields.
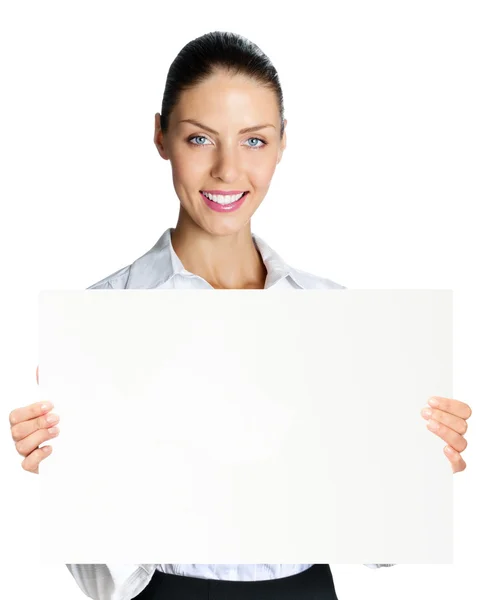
{"x": 433, "y": 402}
{"x": 448, "y": 450}
{"x": 52, "y": 418}
{"x": 427, "y": 412}
{"x": 53, "y": 430}
{"x": 46, "y": 406}
{"x": 434, "y": 425}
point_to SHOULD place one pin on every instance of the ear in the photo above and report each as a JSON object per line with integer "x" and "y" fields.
{"x": 159, "y": 138}
{"x": 283, "y": 142}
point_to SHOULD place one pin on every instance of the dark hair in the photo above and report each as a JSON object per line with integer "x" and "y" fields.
{"x": 218, "y": 50}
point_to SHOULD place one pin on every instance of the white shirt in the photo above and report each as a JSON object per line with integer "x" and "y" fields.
{"x": 161, "y": 268}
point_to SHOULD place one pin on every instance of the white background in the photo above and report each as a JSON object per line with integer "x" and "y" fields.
{"x": 380, "y": 187}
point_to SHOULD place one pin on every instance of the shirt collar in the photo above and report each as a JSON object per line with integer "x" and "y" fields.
{"x": 161, "y": 263}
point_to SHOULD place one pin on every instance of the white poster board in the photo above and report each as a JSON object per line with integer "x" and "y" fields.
{"x": 239, "y": 426}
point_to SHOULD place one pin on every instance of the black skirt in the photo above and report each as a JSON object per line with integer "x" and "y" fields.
{"x": 315, "y": 583}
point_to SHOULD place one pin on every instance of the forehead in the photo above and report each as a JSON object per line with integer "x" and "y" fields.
{"x": 223, "y": 95}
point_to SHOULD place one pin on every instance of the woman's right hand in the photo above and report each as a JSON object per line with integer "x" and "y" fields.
{"x": 29, "y": 428}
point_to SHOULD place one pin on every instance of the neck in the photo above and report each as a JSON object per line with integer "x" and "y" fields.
{"x": 225, "y": 261}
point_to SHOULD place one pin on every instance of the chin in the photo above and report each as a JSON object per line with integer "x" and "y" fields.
{"x": 222, "y": 229}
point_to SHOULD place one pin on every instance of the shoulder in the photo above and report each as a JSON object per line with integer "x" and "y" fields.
{"x": 309, "y": 281}
{"x": 115, "y": 281}
{"x": 146, "y": 272}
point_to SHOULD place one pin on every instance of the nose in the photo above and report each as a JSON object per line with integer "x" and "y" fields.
{"x": 226, "y": 165}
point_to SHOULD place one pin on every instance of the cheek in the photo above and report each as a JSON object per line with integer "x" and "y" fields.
{"x": 186, "y": 170}
{"x": 261, "y": 172}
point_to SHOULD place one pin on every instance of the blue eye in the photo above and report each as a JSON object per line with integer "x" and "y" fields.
{"x": 202, "y": 137}
{"x": 258, "y": 139}
{"x": 198, "y": 137}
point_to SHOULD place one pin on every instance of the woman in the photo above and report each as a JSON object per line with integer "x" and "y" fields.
{"x": 223, "y": 130}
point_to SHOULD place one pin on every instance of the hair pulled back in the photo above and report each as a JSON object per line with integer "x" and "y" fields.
{"x": 212, "y": 52}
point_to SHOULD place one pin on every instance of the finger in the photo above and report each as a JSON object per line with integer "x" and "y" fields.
{"x": 32, "y": 461}
{"x": 31, "y": 411}
{"x": 455, "y": 458}
{"x": 449, "y": 405}
{"x": 25, "y": 428}
{"x": 455, "y": 423}
{"x": 454, "y": 439}
{"x": 32, "y": 441}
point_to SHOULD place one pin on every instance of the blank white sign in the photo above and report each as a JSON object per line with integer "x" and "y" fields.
{"x": 239, "y": 426}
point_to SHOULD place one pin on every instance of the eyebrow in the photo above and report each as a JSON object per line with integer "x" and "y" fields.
{"x": 245, "y": 130}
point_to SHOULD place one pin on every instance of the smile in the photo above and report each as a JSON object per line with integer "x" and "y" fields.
{"x": 225, "y": 198}
{"x": 224, "y": 202}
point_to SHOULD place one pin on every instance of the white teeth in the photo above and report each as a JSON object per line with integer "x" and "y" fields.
{"x": 219, "y": 199}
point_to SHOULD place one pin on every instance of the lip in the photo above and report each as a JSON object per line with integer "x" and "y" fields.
{"x": 222, "y": 193}
{"x": 227, "y": 208}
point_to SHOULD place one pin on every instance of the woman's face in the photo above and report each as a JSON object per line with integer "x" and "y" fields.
{"x": 214, "y": 154}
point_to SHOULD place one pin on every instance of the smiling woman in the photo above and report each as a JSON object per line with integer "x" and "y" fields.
{"x": 223, "y": 131}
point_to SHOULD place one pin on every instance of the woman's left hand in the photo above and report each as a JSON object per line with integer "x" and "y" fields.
{"x": 447, "y": 419}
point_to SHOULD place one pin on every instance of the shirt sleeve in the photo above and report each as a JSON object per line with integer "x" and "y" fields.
{"x": 112, "y": 581}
